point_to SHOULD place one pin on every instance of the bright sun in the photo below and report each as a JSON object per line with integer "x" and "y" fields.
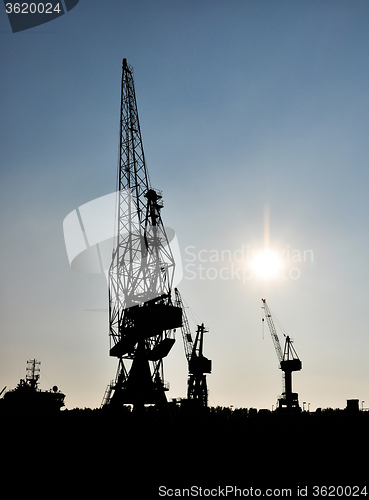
{"x": 266, "y": 264}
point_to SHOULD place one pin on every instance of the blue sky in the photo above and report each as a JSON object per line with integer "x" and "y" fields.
{"x": 243, "y": 105}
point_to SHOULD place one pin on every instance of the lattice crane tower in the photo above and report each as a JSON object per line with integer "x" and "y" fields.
{"x": 141, "y": 312}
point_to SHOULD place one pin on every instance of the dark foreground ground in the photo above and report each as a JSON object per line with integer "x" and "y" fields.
{"x": 221, "y": 453}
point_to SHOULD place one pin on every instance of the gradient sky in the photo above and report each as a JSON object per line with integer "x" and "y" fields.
{"x": 245, "y": 107}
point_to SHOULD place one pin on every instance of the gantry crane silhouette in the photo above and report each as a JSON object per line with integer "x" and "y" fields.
{"x": 289, "y": 362}
{"x": 141, "y": 313}
{"x": 198, "y": 364}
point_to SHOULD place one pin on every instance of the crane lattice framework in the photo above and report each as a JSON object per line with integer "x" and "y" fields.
{"x": 198, "y": 364}
{"x": 289, "y": 362}
{"x": 141, "y": 313}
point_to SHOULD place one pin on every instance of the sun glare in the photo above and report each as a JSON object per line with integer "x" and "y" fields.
{"x": 266, "y": 264}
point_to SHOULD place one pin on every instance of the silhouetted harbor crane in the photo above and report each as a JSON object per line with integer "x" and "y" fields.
{"x": 289, "y": 362}
{"x": 198, "y": 364}
{"x": 141, "y": 313}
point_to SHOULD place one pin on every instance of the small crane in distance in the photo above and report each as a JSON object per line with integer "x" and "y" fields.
{"x": 198, "y": 364}
{"x": 289, "y": 362}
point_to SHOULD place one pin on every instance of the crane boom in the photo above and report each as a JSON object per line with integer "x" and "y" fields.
{"x": 272, "y": 330}
{"x": 185, "y": 329}
{"x": 143, "y": 265}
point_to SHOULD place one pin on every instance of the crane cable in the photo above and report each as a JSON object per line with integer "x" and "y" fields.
{"x": 190, "y": 312}
{"x": 277, "y": 322}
